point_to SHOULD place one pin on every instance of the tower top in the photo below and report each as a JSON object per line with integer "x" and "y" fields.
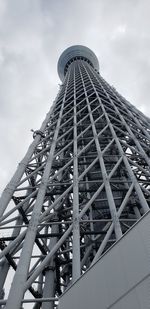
{"x": 73, "y": 52}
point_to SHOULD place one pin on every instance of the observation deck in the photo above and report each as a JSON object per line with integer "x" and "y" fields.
{"x": 76, "y": 52}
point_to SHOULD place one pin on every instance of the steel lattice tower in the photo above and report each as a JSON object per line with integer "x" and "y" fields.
{"x": 84, "y": 181}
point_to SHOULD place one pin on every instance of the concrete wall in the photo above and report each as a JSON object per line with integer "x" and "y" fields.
{"x": 121, "y": 277}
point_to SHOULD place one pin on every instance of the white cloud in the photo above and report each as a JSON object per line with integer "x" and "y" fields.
{"x": 33, "y": 33}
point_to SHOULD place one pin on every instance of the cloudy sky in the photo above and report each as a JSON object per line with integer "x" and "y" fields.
{"x": 33, "y": 33}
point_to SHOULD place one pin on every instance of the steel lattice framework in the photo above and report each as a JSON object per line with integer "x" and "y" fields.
{"x": 84, "y": 181}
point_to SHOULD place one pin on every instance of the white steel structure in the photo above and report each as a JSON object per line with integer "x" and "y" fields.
{"x": 84, "y": 181}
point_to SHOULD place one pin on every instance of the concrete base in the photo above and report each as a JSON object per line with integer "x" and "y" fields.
{"x": 121, "y": 277}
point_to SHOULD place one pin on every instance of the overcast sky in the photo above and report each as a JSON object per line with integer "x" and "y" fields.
{"x": 33, "y": 33}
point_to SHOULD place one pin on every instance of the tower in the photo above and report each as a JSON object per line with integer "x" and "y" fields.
{"x": 82, "y": 184}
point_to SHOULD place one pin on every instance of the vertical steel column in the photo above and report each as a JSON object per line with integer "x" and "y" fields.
{"x": 109, "y": 194}
{"x": 76, "y": 225}
{"x": 49, "y": 286}
{"x": 20, "y": 277}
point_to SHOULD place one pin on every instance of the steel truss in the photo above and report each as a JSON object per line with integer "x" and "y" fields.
{"x": 82, "y": 184}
